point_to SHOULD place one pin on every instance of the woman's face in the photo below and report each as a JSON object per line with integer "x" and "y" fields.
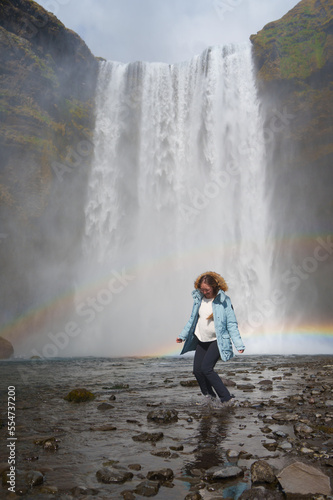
{"x": 207, "y": 290}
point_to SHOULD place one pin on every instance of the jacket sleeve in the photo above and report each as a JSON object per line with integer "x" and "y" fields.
{"x": 232, "y": 326}
{"x": 189, "y": 324}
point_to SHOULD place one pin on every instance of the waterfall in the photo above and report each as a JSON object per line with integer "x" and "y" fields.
{"x": 177, "y": 187}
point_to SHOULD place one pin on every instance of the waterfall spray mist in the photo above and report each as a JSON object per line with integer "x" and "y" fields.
{"x": 177, "y": 187}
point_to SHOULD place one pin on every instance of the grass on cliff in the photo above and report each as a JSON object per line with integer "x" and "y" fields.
{"x": 297, "y": 43}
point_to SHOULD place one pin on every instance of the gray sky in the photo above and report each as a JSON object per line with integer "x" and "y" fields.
{"x": 163, "y": 30}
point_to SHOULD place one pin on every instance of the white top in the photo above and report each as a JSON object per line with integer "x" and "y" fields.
{"x": 205, "y": 329}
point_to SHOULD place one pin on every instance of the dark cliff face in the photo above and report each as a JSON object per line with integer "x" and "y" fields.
{"x": 47, "y": 81}
{"x": 47, "y": 87}
{"x": 294, "y": 62}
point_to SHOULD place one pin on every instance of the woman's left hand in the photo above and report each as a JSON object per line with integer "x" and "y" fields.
{"x": 242, "y": 350}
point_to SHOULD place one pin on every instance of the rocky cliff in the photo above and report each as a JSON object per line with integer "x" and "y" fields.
{"x": 47, "y": 85}
{"x": 294, "y": 63}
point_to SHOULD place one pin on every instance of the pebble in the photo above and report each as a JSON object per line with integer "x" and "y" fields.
{"x": 146, "y": 436}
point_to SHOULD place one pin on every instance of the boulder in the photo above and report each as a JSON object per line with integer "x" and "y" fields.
{"x": 302, "y": 479}
{"x": 147, "y": 488}
{"x": 79, "y": 396}
{"x": 163, "y": 416}
{"x": 261, "y": 472}
{"x": 6, "y": 349}
{"x": 109, "y": 475}
{"x": 161, "y": 475}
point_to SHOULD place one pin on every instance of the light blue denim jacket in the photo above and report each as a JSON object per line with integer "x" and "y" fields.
{"x": 225, "y": 321}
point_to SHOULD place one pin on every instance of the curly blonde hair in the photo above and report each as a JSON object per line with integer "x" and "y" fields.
{"x": 212, "y": 279}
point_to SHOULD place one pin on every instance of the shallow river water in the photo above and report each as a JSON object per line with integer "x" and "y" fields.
{"x": 133, "y": 387}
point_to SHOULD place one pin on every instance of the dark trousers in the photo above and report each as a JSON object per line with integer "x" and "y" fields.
{"x": 206, "y": 356}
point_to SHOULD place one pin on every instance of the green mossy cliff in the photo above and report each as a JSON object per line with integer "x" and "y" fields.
{"x": 47, "y": 85}
{"x": 294, "y": 59}
{"x": 47, "y": 90}
{"x": 294, "y": 64}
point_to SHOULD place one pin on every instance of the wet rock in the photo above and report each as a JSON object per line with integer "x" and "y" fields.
{"x": 265, "y": 429}
{"x": 165, "y": 453}
{"x": 302, "y": 429}
{"x": 128, "y": 495}
{"x": 223, "y": 472}
{"x": 265, "y": 382}
{"x": 261, "y": 493}
{"x": 103, "y": 428}
{"x": 302, "y": 479}
{"x": 270, "y": 446}
{"x": 189, "y": 383}
{"x": 112, "y": 397}
{"x": 161, "y": 475}
{"x": 285, "y": 445}
{"x": 79, "y": 396}
{"x": 262, "y": 415}
{"x": 133, "y": 421}
{"x": 34, "y": 478}
{"x": 147, "y": 488}
{"x": 104, "y": 407}
{"x": 163, "y": 416}
{"x": 146, "y": 436}
{"x": 119, "y": 387}
{"x": 110, "y": 475}
{"x": 232, "y": 454}
{"x": 193, "y": 496}
{"x": 180, "y": 447}
{"x": 136, "y": 467}
{"x": 261, "y": 472}
{"x": 296, "y": 399}
{"x": 306, "y": 451}
{"x": 6, "y": 349}
{"x": 280, "y": 434}
{"x": 49, "y": 444}
{"x": 285, "y": 416}
{"x": 246, "y": 387}
{"x": 266, "y": 385}
{"x": 228, "y": 383}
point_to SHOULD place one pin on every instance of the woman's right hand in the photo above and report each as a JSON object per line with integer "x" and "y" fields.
{"x": 179, "y": 341}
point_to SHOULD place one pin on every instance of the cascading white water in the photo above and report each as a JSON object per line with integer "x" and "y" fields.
{"x": 177, "y": 187}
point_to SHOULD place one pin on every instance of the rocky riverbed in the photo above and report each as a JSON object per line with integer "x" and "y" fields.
{"x": 137, "y": 431}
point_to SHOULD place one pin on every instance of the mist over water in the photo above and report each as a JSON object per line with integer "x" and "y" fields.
{"x": 177, "y": 187}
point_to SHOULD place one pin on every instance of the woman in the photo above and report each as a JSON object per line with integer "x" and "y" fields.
{"x": 209, "y": 332}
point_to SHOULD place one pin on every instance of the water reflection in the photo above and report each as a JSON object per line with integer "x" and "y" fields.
{"x": 211, "y": 432}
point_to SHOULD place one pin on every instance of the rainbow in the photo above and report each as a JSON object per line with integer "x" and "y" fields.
{"x": 33, "y": 321}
